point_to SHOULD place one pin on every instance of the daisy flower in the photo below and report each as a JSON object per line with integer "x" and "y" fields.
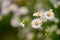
{"x": 23, "y": 10}
{"x": 43, "y": 19}
{"x": 49, "y": 14}
{"x": 6, "y": 3}
{"x": 15, "y": 21}
{"x": 5, "y": 11}
{"x": 21, "y": 24}
{"x": 38, "y": 6}
{"x": 13, "y": 7}
{"x": 5, "y": 7}
{"x": 36, "y": 23}
{"x": 37, "y": 14}
{"x": 56, "y": 20}
{"x": 29, "y": 36}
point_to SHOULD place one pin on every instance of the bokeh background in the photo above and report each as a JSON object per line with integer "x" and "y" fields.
{"x": 8, "y": 32}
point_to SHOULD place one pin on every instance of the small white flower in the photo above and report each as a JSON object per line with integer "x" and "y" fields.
{"x": 37, "y": 14}
{"x": 43, "y": 19}
{"x": 23, "y": 10}
{"x": 56, "y": 20}
{"x": 38, "y": 6}
{"x": 21, "y": 24}
{"x": 5, "y": 7}
{"x": 49, "y": 14}
{"x": 57, "y": 4}
{"x": 6, "y": 3}
{"x": 53, "y": 28}
{"x": 29, "y": 36}
{"x": 23, "y": 32}
{"x": 15, "y": 21}
{"x": 5, "y": 11}
{"x": 36, "y": 23}
{"x": 13, "y": 7}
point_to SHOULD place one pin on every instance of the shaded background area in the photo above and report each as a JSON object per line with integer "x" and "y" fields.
{"x": 7, "y": 32}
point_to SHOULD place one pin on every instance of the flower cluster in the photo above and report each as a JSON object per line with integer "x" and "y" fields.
{"x": 7, "y": 6}
{"x": 42, "y": 16}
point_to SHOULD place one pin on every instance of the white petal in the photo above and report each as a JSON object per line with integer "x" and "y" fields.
{"x": 21, "y": 24}
{"x": 23, "y": 10}
{"x": 15, "y": 22}
{"x": 13, "y": 7}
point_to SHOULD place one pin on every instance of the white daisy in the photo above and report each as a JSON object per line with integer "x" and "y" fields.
{"x": 36, "y": 23}
{"x": 43, "y": 19}
{"x": 5, "y": 11}
{"x": 29, "y": 36}
{"x": 49, "y": 14}
{"x": 56, "y": 20}
{"x": 37, "y": 14}
{"x": 15, "y": 21}
{"x": 23, "y": 10}
{"x": 53, "y": 28}
{"x": 38, "y": 6}
{"x": 6, "y": 3}
{"x": 21, "y": 24}
{"x": 5, "y": 7}
{"x": 13, "y": 7}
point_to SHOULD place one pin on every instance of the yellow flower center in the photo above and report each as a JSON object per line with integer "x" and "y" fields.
{"x": 38, "y": 14}
{"x": 43, "y": 19}
{"x": 36, "y": 23}
{"x": 48, "y": 14}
